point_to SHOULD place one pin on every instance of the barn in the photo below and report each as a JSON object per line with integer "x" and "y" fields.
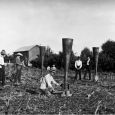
{"x": 29, "y": 53}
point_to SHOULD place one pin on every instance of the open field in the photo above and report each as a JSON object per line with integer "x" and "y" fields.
{"x": 88, "y": 97}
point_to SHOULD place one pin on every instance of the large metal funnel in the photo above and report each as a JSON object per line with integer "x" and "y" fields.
{"x": 42, "y": 53}
{"x": 95, "y": 57}
{"x": 67, "y": 49}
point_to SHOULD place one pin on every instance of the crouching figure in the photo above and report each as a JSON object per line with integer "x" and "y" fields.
{"x": 46, "y": 87}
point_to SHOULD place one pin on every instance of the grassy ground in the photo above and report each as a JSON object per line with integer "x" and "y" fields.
{"x": 87, "y": 97}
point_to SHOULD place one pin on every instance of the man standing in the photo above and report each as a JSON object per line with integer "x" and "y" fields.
{"x": 78, "y": 66}
{"x": 19, "y": 65}
{"x": 2, "y": 67}
{"x": 88, "y": 68}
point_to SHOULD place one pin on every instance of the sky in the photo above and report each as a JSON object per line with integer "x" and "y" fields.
{"x": 90, "y": 23}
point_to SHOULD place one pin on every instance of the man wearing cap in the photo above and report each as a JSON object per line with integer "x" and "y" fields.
{"x": 54, "y": 68}
{"x": 88, "y": 68}
{"x": 46, "y": 83}
{"x": 2, "y": 67}
{"x": 19, "y": 65}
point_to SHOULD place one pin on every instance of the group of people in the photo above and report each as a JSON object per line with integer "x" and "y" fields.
{"x": 78, "y": 68}
{"x": 46, "y": 81}
{"x": 17, "y": 67}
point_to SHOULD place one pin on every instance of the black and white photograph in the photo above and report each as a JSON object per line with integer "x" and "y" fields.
{"x": 57, "y": 57}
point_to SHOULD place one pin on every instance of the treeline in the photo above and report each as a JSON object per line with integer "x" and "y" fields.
{"x": 54, "y": 59}
{"x": 106, "y": 58}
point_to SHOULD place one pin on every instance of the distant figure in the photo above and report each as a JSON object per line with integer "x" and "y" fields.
{"x": 46, "y": 82}
{"x": 19, "y": 63}
{"x": 48, "y": 68}
{"x": 54, "y": 68}
{"x": 88, "y": 68}
{"x": 26, "y": 61}
{"x": 2, "y": 67}
{"x": 78, "y": 66}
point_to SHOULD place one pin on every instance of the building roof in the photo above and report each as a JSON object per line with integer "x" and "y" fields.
{"x": 25, "y": 48}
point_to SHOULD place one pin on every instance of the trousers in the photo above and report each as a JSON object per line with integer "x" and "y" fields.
{"x": 87, "y": 70}
{"x": 78, "y": 72}
{"x": 2, "y": 74}
{"x": 46, "y": 91}
{"x": 18, "y": 73}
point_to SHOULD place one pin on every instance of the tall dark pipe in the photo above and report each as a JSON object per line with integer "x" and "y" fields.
{"x": 42, "y": 53}
{"x": 95, "y": 57}
{"x": 67, "y": 49}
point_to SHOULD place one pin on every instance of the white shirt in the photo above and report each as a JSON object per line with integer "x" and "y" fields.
{"x": 43, "y": 83}
{"x": 1, "y": 60}
{"x": 48, "y": 80}
{"x": 78, "y": 64}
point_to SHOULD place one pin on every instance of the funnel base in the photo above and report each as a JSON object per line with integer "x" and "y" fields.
{"x": 66, "y": 94}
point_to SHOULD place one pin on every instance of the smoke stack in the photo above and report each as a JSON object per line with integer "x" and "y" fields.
{"x": 95, "y": 57}
{"x": 42, "y": 53}
{"x": 67, "y": 49}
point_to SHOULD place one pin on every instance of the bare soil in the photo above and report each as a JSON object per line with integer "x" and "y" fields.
{"x": 88, "y": 97}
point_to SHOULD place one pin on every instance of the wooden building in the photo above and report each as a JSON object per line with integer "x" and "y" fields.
{"x": 29, "y": 53}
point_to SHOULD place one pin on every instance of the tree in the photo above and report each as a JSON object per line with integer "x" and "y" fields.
{"x": 49, "y": 60}
{"x": 48, "y": 51}
{"x": 105, "y": 62}
{"x": 84, "y": 54}
{"x": 107, "y": 56}
{"x": 108, "y": 48}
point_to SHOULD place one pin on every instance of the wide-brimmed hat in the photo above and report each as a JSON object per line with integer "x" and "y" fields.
{"x": 19, "y": 54}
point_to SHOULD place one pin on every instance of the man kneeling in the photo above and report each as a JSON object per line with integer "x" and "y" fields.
{"x": 46, "y": 84}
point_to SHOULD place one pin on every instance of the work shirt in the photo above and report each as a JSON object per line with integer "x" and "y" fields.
{"x": 47, "y": 82}
{"x": 1, "y": 61}
{"x": 78, "y": 64}
{"x": 43, "y": 83}
{"x": 18, "y": 60}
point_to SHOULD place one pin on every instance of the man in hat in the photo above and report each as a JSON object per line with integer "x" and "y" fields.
{"x": 54, "y": 68}
{"x": 2, "y": 67}
{"x": 19, "y": 64}
{"x": 46, "y": 82}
